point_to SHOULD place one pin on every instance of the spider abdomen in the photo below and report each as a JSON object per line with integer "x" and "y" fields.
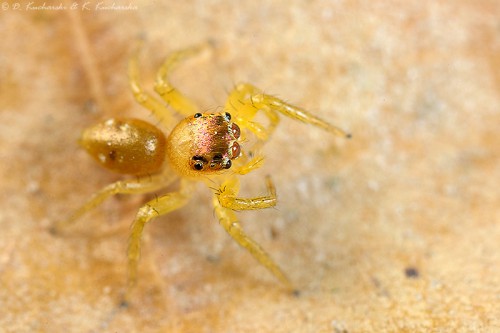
{"x": 127, "y": 146}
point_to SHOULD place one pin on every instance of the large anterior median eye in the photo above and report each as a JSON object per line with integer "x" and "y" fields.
{"x": 199, "y": 162}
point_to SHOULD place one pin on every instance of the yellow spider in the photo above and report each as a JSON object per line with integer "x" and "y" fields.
{"x": 201, "y": 147}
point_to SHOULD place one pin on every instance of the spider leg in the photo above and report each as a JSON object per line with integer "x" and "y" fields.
{"x": 230, "y": 223}
{"x": 227, "y": 196}
{"x": 154, "y": 208}
{"x": 240, "y": 102}
{"x": 139, "y": 185}
{"x": 245, "y": 96}
{"x": 149, "y": 102}
{"x": 171, "y": 95}
{"x": 250, "y": 164}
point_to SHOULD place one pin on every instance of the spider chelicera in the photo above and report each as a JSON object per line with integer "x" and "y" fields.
{"x": 201, "y": 147}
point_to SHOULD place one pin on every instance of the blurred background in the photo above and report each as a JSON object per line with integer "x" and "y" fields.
{"x": 395, "y": 230}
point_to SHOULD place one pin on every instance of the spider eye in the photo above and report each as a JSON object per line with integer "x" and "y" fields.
{"x": 197, "y": 115}
{"x": 228, "y": 164}
{"x": 199, "y": 162}
{"x": 235, "y": 150}
{"x": 236, "y": 131}
{"x": 228, "y": 116}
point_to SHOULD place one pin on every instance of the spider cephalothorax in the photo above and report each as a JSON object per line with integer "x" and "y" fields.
{"x": 204, "y": 142}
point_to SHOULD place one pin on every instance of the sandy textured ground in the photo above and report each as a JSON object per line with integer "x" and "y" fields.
{"x": 396, "y": 230}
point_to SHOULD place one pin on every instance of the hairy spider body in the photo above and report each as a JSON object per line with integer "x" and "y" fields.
{"x": 201, "y": 147}
{"x": 203, "y": 144}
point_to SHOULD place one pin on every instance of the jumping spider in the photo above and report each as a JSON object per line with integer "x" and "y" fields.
{"x": 201, "y": 147}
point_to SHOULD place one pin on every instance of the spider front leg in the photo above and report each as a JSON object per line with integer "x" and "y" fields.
{"x": 228, "y": 198}
{"x": 154, "y": 208}
{"x": 240, "y": 102}
{"x": 247, "y": 100}
{"x": 226, "y": 201}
